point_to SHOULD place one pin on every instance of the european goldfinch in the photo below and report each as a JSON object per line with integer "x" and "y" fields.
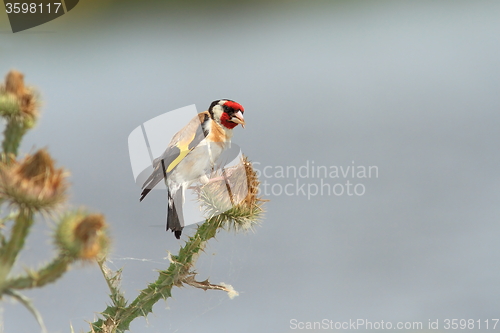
{"x": 192, "y": 154}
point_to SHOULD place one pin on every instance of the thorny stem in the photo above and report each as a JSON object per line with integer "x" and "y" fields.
{"x": 13, "y": 134}
{"x": 49, "y": 273}
{"x": 9, "y": 252}
{"x": 120, "y": 318}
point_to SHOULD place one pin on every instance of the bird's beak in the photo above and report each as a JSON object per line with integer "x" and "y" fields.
{"x": 238, "y": 118}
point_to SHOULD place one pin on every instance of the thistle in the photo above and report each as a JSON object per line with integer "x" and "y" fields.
{"x": 233, "y": 200}
{"x": 82, "y": 236}
{"x": 19, "y": 106}
{"x": 34, "y": 182}
{"x": 230, "y": 203}
{"x": 32, "y": 185}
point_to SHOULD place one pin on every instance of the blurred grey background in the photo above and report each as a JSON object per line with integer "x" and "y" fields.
{"x": 411, "y": 87}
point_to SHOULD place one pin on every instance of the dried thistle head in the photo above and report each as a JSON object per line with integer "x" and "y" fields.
{"x": 233, "y": 196}
{"x": 244, "y": 184}
{"x": 34, "y": 182}
{"x": 82, "y": 236}
{"x": 18, "y": 102}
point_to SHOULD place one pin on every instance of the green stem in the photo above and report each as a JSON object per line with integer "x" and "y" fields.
{"x": 13, "y": 134}
{"x": 120, "y": 318}
{"x": 117, "y": 318}
{"x": 9, "y": 252}
{"x": 49, "y": 273}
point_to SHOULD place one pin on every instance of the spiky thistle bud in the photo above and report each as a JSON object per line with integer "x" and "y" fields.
{"x": 82, "y": 236}
{"x": 34, "y": 182}
{"x": 19, "y": 106}
{"x": 20, "y": 101}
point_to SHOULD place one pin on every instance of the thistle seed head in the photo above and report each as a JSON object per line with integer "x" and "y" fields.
{"x": 33, "y": 182}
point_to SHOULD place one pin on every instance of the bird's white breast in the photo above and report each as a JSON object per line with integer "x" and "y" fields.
{"x": 198, "y": 163}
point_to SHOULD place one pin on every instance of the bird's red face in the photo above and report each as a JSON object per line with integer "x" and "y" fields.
{"x": 229, "y": 113}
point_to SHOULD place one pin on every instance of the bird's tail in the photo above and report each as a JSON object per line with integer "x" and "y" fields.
{"x": 175, "y": 218}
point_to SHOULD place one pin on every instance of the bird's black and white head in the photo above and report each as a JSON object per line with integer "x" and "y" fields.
{"x": 228, "y": 113}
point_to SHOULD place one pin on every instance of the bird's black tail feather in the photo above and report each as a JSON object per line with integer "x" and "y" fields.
{"x": 157, "y": 176}
{"x": 144, "y": 193}
{"x": 175, "y": 218}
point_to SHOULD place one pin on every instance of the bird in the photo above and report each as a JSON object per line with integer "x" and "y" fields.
{"x": 192, "y": 154}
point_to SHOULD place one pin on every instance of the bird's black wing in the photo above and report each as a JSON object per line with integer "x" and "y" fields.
{"x": 180, "y": 146}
